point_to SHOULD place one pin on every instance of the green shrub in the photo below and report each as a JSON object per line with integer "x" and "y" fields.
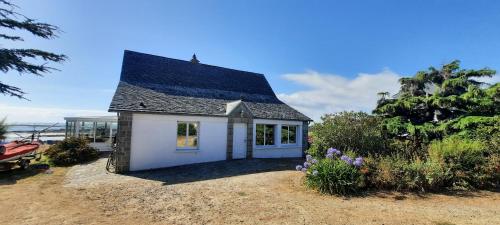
{"x": 357, "y": 131}
{"x": 492, "y": 171}
{"x": 400, "y": 174}
{"x": 71, "y": 151}
{"x": 386, "y": 172}
{"x": 464, "y": 158}
{"x": 334, "y": 176}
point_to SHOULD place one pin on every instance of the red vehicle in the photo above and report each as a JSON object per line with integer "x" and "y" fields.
{"x": 22, "y": 151}
{"x": 18, "y": 152}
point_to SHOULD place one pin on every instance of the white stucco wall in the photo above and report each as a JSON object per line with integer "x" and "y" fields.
{"x": 278, "y": 150}
{"x": 153, "y": 143}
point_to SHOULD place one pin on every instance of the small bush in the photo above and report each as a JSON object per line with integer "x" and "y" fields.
{"x": 400, "y": 174}
{"x": 492, "y": 171}
{"x": 71, "y": 151}
{"x": 334, "y": 177}
{"x": 386, "y": 172}
{"x": 464, "y": 158}
{"x": 334, "y": 174}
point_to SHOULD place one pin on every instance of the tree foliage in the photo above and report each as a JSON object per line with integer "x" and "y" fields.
{"x": 22, "y": 60}
{"x": 355, "y": 131}
{"x": 439, "y": 102}
{"x": 3, "y": 129}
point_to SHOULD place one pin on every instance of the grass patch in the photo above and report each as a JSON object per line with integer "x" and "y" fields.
{"x": 16, "y": 173}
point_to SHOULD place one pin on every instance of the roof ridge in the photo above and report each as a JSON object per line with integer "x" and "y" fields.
{"x": 187, "y": 61}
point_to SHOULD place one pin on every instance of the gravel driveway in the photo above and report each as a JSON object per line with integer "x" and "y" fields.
{"x": 261, "y": 192}
{"x": 94, "y": 174}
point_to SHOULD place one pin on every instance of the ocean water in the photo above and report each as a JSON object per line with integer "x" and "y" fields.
{"x": 49, "y": 131}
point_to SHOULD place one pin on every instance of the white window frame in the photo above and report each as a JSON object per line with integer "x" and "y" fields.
{"x": 187, "y": 134}
{"x": 288, "y": 134}
{"x": 274, "y": 135}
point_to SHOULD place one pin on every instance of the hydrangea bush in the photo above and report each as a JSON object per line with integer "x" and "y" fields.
{"x": 336, "y": 173}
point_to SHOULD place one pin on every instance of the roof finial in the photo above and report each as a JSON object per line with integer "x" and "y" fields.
{"x": 195, "y": 60}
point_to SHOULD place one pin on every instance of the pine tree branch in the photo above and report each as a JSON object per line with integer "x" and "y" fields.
{"x": 43, "y": 30}
{"x": 14, "y": 59}
{"x": 12, "y": 38}
{"x": 22, "y": 60}
{"x": 12, "y": 91}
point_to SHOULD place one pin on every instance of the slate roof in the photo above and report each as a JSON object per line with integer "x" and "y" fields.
{"x": 156, "y": 84}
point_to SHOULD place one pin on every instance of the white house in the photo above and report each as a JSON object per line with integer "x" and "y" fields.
{"x": 174, "y": 112}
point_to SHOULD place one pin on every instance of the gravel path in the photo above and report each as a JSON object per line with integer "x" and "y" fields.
{"x": 94, "y": 174}
{"x": 262, "y": 192}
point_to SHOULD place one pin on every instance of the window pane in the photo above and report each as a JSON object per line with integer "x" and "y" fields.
{"x": 71, "y": 129}
{"x": 284, "y": 134}
{"x": 87, "y": 131}
{"x": 259, "y": 134}
{"x": 269, "y": 132}
{"x": 181, "y": 134}
{"x": 293, "y": 135}
{"x": 192, "y": 135}
{"x": 102, "y": 132}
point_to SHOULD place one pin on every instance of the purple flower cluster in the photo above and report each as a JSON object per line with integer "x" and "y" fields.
{"x": 307, "y": 164}
{"x": 346, "y": 159}
{"x": 332, "y": 152}
{"x": 358, "y": 162}
{"x": 302, "y": 168}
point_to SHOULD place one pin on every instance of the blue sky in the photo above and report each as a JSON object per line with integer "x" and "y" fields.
{"x": 319, "y": 56}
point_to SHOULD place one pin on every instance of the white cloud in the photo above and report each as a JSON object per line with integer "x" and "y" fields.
{"x": 23, "y": 114}
{"x": 489, "y": 80}
{"x": 328, "y": 93}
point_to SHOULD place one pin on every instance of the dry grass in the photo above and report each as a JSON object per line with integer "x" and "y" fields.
{"x": 216, "y": 194}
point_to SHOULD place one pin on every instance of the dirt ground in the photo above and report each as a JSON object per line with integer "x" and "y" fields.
{"x": 235, "y": 192}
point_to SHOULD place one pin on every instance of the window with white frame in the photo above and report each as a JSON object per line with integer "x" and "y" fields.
{"x": 264, "y": 134}
{"x": 187, "y": 135}
{"x": 289, "y": 134}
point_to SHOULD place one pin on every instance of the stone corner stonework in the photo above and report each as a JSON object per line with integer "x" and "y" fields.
{"x": 123, "y": 140}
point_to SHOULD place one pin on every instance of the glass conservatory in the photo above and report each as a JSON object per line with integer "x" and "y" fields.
{"x": 98, "y": 130}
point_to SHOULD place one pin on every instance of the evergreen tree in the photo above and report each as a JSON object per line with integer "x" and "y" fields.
{"x": 438, "y": 102}
{"x": 22, "y": 60}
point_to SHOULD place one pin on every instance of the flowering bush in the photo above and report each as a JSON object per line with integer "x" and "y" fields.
{"x": 451, "y": 164}
{"x": 334, "y": 174}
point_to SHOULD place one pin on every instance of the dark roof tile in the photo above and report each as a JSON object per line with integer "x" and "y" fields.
{"x": 151, "y": 83}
